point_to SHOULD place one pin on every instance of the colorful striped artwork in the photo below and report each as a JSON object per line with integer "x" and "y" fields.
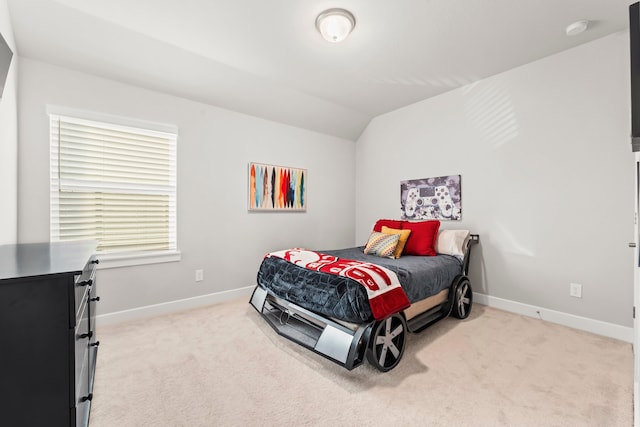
{"x": 277, "y": 188}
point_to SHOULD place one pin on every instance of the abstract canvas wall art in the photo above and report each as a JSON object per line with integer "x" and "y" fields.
{"x": 277, "y": 188}
{"x": 431, "y": 198}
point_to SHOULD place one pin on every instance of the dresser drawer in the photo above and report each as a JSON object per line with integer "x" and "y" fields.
{"x": 83, "y": 400}
{"x": 93, "y": 342}
{"x": 81, "y": 286}
{"x": 82, "y": 337}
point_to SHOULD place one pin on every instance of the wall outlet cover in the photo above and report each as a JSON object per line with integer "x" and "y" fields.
{"x": 575, "y": 290}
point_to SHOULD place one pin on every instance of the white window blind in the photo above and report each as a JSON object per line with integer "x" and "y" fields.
{"x": 115, "y": 184}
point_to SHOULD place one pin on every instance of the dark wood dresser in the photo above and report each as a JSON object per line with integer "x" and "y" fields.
{"x": 48, "y": 344}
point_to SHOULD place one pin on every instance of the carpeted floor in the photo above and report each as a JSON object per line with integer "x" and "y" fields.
{"x": 224, "y": 366}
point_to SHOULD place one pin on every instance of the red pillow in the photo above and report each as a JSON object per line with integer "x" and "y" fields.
{"x": 422, "y": 240}
{"x": 391, "y": 223}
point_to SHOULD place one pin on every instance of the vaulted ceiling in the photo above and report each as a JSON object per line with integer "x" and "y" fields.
{"x": 265, "y": 57}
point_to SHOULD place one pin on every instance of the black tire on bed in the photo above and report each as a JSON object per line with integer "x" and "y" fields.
{"x": 462, "y": 299}
{"x": 387, "y": 342}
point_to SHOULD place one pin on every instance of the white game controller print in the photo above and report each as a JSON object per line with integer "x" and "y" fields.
{"x": 445, "y": 203}
{"x": 413, "y": 194}
{"x": 437, "y": 202}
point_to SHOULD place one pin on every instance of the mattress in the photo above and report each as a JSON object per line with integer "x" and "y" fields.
{"x": 345, "y": 299}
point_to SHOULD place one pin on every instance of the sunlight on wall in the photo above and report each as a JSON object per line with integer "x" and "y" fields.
{"x": 509, "y": 243}
{"x": 490, "y": 110}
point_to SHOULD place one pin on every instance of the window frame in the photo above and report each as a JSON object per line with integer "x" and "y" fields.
{"x": 116, "y": 258}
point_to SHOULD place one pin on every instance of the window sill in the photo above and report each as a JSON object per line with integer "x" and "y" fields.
{"x": 137, "y": 258}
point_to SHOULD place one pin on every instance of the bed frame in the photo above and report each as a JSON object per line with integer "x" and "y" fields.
{"x": 381, "y": 342}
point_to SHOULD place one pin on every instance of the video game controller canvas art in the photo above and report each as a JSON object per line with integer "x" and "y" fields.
{"x": 431, "y": 198}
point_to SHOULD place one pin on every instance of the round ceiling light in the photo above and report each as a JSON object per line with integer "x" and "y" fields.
{"x": 335, "y": 24}
{"x": 577, "y": 27}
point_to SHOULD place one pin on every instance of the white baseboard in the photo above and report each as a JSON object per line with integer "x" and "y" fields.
{"x": 598, "y": 327}
{"x": 172, "y": 306}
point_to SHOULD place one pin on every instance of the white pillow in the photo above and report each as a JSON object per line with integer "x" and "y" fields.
{"x": 452, "y": 242}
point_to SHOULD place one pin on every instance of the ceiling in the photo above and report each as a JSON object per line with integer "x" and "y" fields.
{"x": 265, "y": 57}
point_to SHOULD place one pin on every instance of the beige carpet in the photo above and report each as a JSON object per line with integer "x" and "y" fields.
{"x": 224, "y": 366}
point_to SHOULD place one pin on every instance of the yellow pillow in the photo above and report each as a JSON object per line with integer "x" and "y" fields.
{"x": 404, "y": 236}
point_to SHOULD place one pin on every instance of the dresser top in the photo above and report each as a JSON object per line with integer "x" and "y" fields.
{"x": 38, "y": 259}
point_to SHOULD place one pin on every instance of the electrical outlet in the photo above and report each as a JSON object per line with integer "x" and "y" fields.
{"x": 199, "y": 275}
{"x": 575, "y": 290}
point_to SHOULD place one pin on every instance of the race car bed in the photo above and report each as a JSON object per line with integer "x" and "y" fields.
{"x": 347, "y": 304}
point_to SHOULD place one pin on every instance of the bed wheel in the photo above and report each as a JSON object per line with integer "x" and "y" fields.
{"x": 387, "y": 341}
{"x": 463, "y": 300}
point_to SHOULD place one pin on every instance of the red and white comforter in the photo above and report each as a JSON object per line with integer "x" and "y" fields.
{"x": 385, "y": 294}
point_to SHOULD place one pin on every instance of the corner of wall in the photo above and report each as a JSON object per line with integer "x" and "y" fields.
{"x": 9, "y": 138}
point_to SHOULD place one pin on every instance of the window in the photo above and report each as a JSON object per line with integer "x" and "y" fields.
{"x": 115, "y": 184}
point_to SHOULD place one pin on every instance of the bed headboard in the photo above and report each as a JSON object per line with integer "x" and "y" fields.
{"x": 473, "y": 239}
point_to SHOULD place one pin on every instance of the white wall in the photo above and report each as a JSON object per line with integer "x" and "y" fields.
{"x": 215, "y": 231}
{"x": 8, "y": 139}
{"x": 544, "y": 153}
{"x": 547, "y": 177}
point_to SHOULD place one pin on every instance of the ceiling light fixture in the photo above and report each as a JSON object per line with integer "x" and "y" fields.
{"x": 335, "y": 24}
{"x": 577, "y": 27}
